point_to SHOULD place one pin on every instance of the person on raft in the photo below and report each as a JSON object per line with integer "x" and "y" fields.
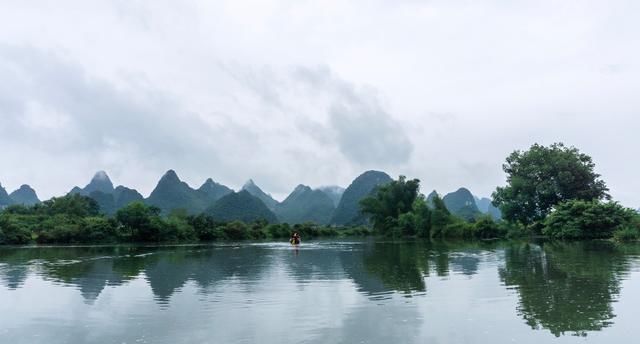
{"x": 295, "y": 238}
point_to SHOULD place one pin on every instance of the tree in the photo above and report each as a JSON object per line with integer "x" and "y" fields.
{"x": 389, "y": 201}
{"x": 577, "y": 219}
{"x": 543, "y": 177}
{"x": 72, "y": 205}
{"x": 142, "y": 222}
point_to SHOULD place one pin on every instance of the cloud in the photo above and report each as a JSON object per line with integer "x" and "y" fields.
{"x": 313, "y": 92}
{"x": 365, "y": 133}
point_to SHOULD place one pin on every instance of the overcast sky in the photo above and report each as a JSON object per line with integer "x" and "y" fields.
{"x": 313, "y": 92}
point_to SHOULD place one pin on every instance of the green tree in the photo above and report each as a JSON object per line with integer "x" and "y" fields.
{"x": 142, "y": 222}
{"x": 390, "y": 201}
{"x": 577, "y": 219}
{"x": 542, "y": 177}
{"x": 72, "y": 205}
{"x": 440, "y": 216}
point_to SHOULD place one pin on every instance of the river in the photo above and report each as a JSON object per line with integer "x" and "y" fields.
{"x": 339, "y": 291}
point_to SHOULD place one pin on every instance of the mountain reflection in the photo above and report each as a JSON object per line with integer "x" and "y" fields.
{"x": 565, "y": 287}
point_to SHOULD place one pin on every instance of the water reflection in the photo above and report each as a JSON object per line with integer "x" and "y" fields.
{"x": 559, "y": 288}
{"x": 565, "y": 287}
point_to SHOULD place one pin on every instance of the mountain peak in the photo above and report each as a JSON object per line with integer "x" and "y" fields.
{"x": 99, "y": 182}
{"x": 101, "y": 175}
{"x": 170, "y": 175}
{"x": 254, "y": 190}
{"x": 25, "y": 195}
{"x": 249, "y": 183}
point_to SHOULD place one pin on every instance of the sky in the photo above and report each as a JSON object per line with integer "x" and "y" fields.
{"x": 313, "y": 92}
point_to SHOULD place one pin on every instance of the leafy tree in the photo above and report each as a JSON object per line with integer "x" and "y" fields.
{"x": 72, "y": 205}
{"x": 577, "y": 219}
{"x": 543, "y": 177}
{"x": 390, "y": 201}
{"x": 11, "y": 232}
{"x": 440, "y": 215}
{"x": 141, "y": 221}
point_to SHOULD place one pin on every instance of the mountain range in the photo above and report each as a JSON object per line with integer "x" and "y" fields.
{"x": 25, "y": 195}
{"x": 324, "y": 205}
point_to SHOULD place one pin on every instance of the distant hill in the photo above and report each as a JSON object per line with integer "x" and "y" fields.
{"x": 305, "y": 205}
{"x": 25, "y": 195}
{"x": 211, "y": 191}
{"x": 348, "y": 210}
{"x": 430, "y": 198}
{"x": 462, "y": 203}
{"x": 334, "y": 192}
{"x": 110, "y": 199}
{"x": 171, "y": 193}
{"x": 100, "y": 182}
{"x": 241, "y": 206}
{"x": 485, "y": 207}
{"x": 5, "y": 200}
{"x": 110, "y": 202}
{"x": 254, "y": 190}
{"x": 122, "y": 196}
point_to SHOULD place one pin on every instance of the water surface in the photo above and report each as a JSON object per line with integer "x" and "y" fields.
{"x": 324, "y": 292}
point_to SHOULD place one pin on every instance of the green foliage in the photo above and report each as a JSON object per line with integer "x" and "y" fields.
{"x": 627, "y": 233}
{"x": 72, "y": 205}
{"x": 486, "y": 228}
{"x": 578, "y": 219}
{"x": 543, "y": 177}
{"x": 141, "y": 222}
{"x": 389, "y": 202}
{"x": 11, "y": 232}
{"x": 440, "y": 216}
{"x": 59, "y": 221}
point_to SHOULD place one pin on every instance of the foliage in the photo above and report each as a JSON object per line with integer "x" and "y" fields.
{"x": 11, "y": 233}
{"x": 389, "y": 202}
{"x": 543, "y": 177}
{"x": 627, "y": 233}
{"x": 72, "y": 205}
{"x": 578, "y": 219}
{"x": 58, "y": 222}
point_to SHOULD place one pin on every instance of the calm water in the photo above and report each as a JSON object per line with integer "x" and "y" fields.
{"x": 324, "y": 292}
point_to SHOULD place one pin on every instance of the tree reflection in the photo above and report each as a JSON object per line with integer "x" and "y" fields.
{"x": 403, "y": 266}
{"x": 565, "y": 287}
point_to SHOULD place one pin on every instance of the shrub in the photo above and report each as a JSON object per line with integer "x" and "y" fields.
{"x": 577, "y": 219}
{"x": 627, "y": 233}
{"x": 12, "y": 233}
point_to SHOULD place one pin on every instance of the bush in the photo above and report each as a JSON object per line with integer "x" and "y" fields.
{"x": 236, "y": 230}
{"x": 12, "y": 233}
{"x": 486, "y": 228}
{"x": 99, "y": 230}
{"x": 577, "y": 219}
{"x": 626, "y": 234}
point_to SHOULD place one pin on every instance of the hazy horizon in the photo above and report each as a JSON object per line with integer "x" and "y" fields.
{"x": 313, "y": 93}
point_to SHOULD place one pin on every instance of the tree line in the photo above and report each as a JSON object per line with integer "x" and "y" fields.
{"x": 551, "y": 191}
{"x": 76, "y": 219}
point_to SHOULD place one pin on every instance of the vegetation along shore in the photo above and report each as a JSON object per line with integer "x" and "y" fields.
{"x": 551, "y": 191}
